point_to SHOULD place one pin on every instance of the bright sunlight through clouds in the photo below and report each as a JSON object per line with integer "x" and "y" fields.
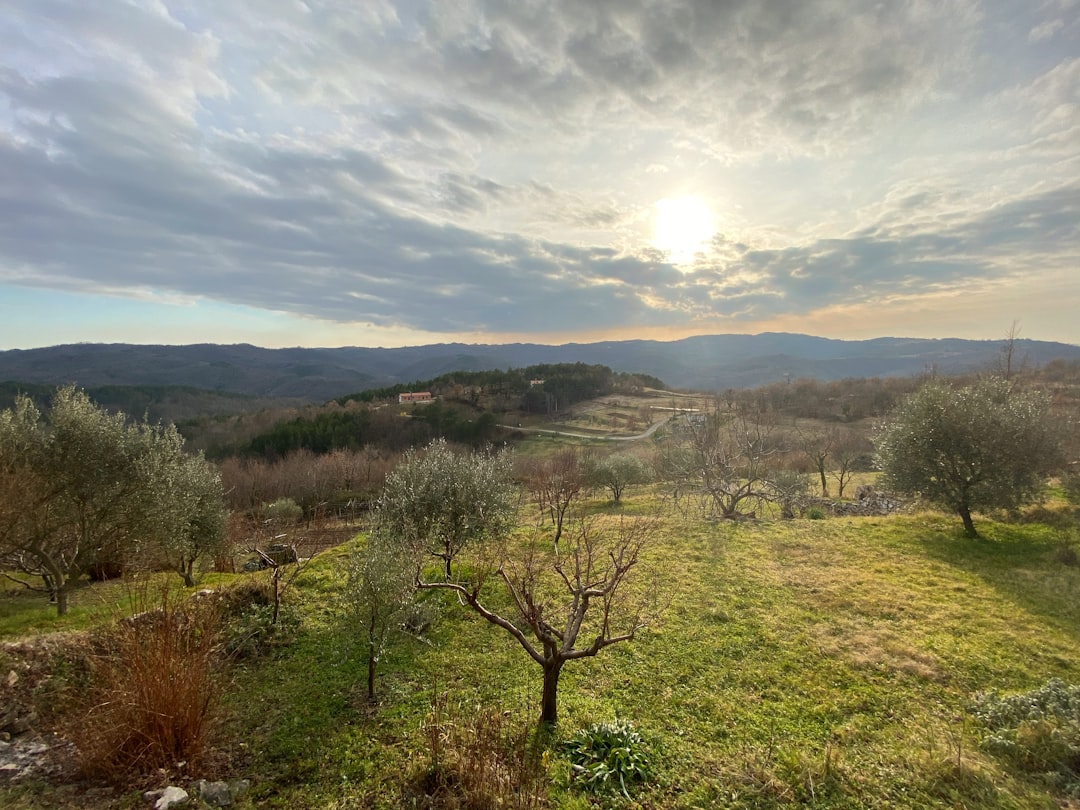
{"x": 682, "y": 228}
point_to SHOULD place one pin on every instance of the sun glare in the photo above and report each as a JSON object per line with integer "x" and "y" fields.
{"x": 681, "y": 227}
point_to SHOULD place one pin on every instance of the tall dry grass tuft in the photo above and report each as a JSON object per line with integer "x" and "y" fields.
{"x": 481, "y": 758}
{"x": 155, "y": 687}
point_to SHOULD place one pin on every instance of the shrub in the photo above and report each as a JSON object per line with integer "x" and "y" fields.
{"x": 155, "y": 688}
{"x": 1038, "y": 730}
{"x": 284, "y": 511}
{"x": 608, "y": 756}
{"x": 254, "y": 631}
{"x": 815, "y": 513}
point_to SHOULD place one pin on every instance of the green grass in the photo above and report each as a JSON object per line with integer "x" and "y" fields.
{"x": 828, "y": 663}
{"x": 24, "y": 612}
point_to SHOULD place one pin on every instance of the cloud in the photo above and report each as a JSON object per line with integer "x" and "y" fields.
{"x": 491, "y": 166}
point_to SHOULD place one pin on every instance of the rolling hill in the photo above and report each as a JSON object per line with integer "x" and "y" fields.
{"x": 707, "y": 362}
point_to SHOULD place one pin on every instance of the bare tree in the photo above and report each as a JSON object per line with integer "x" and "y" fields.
{"x": 817, "y": 445}
{"x": 555, "y": 483}
{"x": 568, "y": 603}
{"x": 1008, "y": 363}
{"x": 728, "y": 457}
{"x": 852, "y": 451}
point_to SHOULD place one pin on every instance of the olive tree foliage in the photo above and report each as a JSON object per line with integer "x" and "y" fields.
{"x": 189, "y": 503}
{"x": 379, "y": 593}
{"x": 617, "y": 472}
{"x": 969, "y": 448}
{"x": 88, "y": 487}
{"x": 438, "y": 502}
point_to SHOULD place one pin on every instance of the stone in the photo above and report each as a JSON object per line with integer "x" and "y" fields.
{"x": 171, "y": 796}
{"x": 12, "y": 679}
{"x": 239, "y": 787}
{"x": 215, "y": 794}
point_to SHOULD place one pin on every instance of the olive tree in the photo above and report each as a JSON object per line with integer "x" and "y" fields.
{"x": 190, "y": 506}
{"x": 969, "y": 448}
{"x": 437, "y": 501}
{"x": 91, "y": 488}
{"x": 378, "y": 594}
{"x": 617, "y": 472}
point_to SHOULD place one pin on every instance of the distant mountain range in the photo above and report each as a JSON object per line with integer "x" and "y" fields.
{"x": 707, "y": 362}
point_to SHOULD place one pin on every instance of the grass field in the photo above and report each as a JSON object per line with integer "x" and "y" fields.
{"x": 826, "y": 663}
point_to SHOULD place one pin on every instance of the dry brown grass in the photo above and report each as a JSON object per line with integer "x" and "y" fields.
{"x": 481, "y": 758}
{"x": 154, "y": 689}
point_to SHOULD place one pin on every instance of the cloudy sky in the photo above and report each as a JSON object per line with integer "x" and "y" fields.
{"x": 367, "y": 172}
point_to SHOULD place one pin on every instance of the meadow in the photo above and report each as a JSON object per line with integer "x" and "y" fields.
{"x": 825, "y": 663}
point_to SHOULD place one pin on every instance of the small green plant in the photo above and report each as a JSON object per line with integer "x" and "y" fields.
{"x": 815, "y": 513}
{"x": 254, "y": 631}
{"x": 608, "y": 756}
{"x": 1038, "y": 730}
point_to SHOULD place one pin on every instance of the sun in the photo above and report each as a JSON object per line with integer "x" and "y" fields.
{"x": 681, "y": 227}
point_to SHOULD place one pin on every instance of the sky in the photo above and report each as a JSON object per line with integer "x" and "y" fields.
{"x": 376, "y": 173}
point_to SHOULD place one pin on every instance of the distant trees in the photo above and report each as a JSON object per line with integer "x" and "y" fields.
{"x": 87, "y": 488}
{"x": 555, "y": 483}
{"x": 966, "y": 448}
{"x": 339, "y": 482}
{"x": 561, "y": 385}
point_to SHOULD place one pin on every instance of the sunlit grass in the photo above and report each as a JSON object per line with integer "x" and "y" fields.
{"x": 26, "y": 612}
{"x": 820, "y": 662}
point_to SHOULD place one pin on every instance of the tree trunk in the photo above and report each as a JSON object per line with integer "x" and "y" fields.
{"x": 277, "y": 595}
{"x": 824, "y": 482}
{"x": 371, "y": 671}
{"x": 57, "y": 583}
{"x": 549, "y": 706}
{"x": 969, "y": 526}
{"x": 186, "y": 572}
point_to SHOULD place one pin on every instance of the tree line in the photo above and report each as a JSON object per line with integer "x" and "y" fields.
{"x": 520, "y": 388}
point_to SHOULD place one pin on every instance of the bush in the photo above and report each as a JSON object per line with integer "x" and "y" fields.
{"x": 284, "y": 511}
{"x": 607, "y": 756}
{"x": 1039, "y": 731}
{"x": 155, "y": 688}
